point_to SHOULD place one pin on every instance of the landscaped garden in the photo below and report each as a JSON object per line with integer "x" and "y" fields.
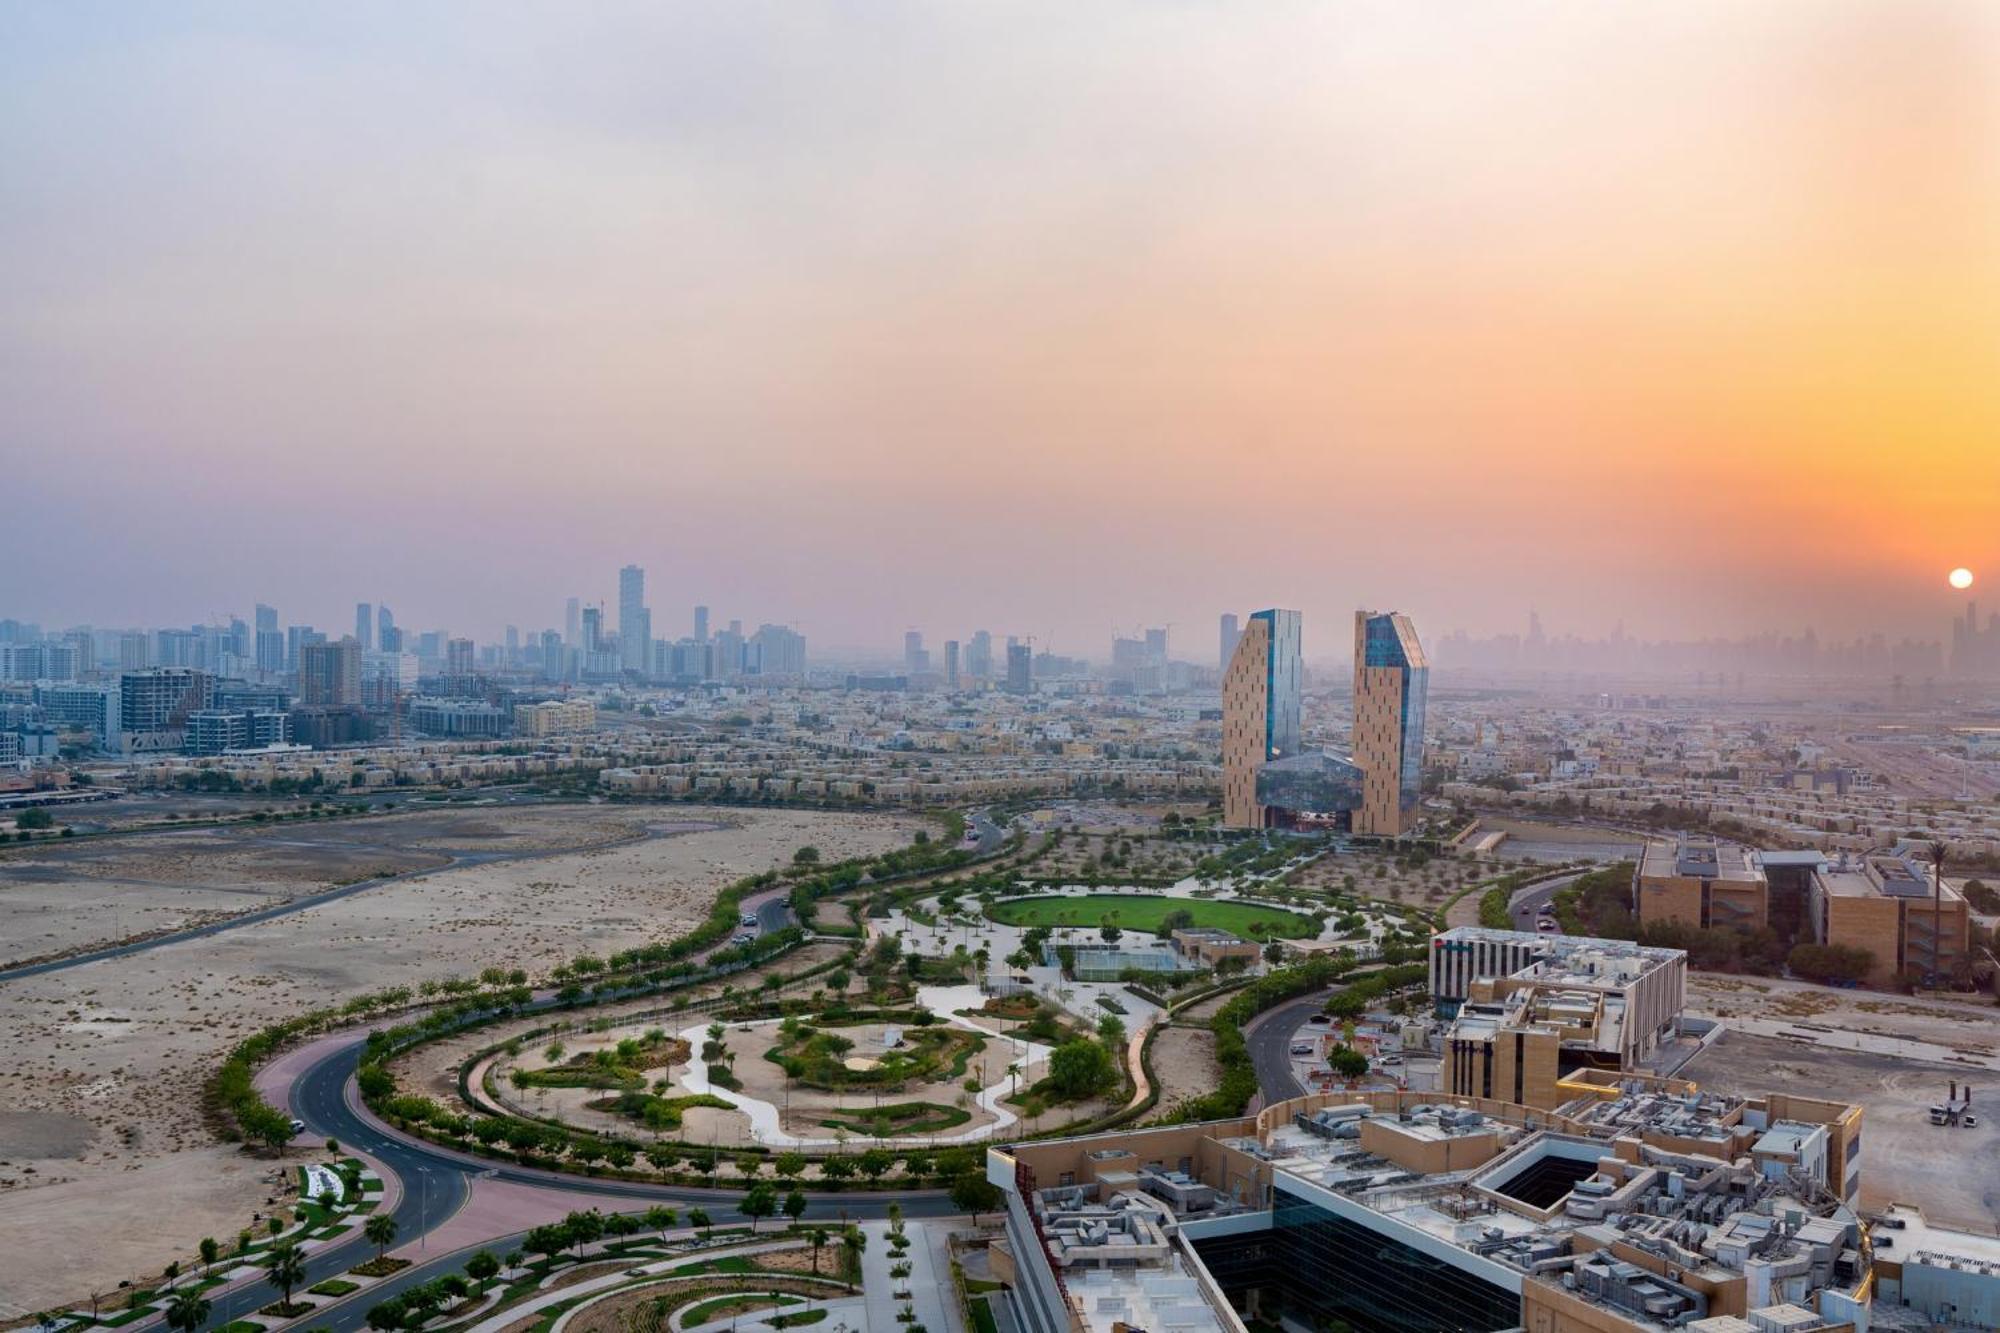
{"x": 819, "y": 1057}
{"x": 1249, "y": 921}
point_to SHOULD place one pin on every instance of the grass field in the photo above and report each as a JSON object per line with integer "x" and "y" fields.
{"x": 1130, "y": 912}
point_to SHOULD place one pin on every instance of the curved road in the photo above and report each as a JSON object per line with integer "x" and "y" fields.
{"x": 437, "y": 1182}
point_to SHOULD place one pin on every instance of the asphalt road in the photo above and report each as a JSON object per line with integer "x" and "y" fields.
{"x": 1524, "y": 905}
{"x": 1270, "y": 1040}
{"x": 436, "y": 1183}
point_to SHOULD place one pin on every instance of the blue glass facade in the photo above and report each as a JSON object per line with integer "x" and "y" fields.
{"x": 1282, "y": 681}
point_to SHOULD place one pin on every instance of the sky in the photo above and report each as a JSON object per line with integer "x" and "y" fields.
{"x": 1054, "y": 319}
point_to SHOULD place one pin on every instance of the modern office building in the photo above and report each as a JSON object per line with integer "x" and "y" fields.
{"x": 1894, "y": 908}
{"x": 364, "y": 625}
{"x": 916, "y": 658}
{"x": 1530, "y": 1010}
{"x": 979, "y": 656}
{"x": 1020, "y": 669}
{"x": 573, "y": 622}
{"x": 460, "y": 658}
{"x": 701, "y": 624}
{"x": 951, "y": 664}
{"x": 1391, "y": 685}
{"x": 1640, "y": 1206}
{"x": 593, "y": 630}
{"x": 1230, "y": 634}
{"x": 388, "y": 638}
{"x": 1260, "y": 710}
{"x": 1697, "y": 881}
{"x": 154, "y": 705}
{"x": 777, "y": 650}
{"x": 330, "y": 675}
{"x": 635, "y": 623}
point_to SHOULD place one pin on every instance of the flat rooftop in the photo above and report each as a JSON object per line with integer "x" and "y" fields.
{"x": 1700, "y": 858}
{"x": 1881, "y": 877}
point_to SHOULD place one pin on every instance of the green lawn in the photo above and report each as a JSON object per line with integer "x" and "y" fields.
{"x": 1131, "y": 912}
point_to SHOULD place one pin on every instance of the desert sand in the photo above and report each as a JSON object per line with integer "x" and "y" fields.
{"x": 110, "y": 1056}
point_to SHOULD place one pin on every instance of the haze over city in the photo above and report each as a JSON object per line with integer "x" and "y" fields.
{"x": 1054, "y": 319}
{"x": 999, "y": 667}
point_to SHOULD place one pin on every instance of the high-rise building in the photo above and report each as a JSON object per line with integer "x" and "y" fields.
{"x": 635, "y": 624}
{"x": 701, "y": 624}
{"x": 1260, "y": 710}
{"x": 573, "y": 623}
{"x": 458, "y": 658}
{"x": 134, "y": 651}
{"x": 330, "y": 674}
{"x": 1391, "y": 684}
{"x": 388, "y": 638}
{"x": 554, "y": 657}
{"x": 1020, "y": 668}
{"x": 726, "y": 662}
{"x": 916, "y": 661}
{"x": 951, "y": 664}
{"x": 1156, "y": 647}
{"x": 979, "y": 656}
{"x": 1230, "y": 634}
{"x": 364, "y": 625}
{"x": 154, "y": 705}
{"x": 593, "y": 629}
{"x": 776, "y": 650}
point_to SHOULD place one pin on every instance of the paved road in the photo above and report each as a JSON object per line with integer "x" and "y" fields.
{"x": 437, "y": 1182}
{"x": 1524, "y": 905}
{"x": 1270, "y": 1039}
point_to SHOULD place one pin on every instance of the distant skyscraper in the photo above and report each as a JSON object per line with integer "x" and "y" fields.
{"x": 1156, "y": 647}
{"x": 268, "y": 647}
{"x": 916, "y": 661}
{"x": 330, "y": 674}
{"x": 1391, "y": 685}
{"x": 1230, "y": 634}
{"x": 553, "y": 656}
{"x": 593, "y": 629}
{"x": 364, "y": 625}
{"x": 778, "y": 651}
{"x": 512, "y": 639}
{"x": 701, "y": 624}
{"x": 266, "y": 619}
{"x": 979, "y": 656}
{"x": 951, "y": 664}
{"x": 387, "y": 638}
{"x": 458, "y": 658}
{"x": 1260, "y": 710}
{"x": 635, "y": 625}
{"x": 573, "y": 623}
{"x": 1020, "y": 668}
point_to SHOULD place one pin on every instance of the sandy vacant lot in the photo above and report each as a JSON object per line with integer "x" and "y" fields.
{"x": 1954, "y": 1173}
{"x": 110, "y": 1056}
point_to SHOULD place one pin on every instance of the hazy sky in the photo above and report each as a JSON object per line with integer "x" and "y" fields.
{"x": 1048, "y": 318}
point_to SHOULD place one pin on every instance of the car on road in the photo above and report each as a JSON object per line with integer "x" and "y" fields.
{"x": 747, "y": 919}
{"x": 1547, "y": 925}
{"x": 743, "y": 937}
{"x": 298, "y": 1127}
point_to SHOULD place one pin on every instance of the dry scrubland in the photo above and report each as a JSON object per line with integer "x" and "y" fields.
{"x": 100, "y": 1137}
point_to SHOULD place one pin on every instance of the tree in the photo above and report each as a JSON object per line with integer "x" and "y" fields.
{"x": 1274, "y": 952}
{"x": 583, "y": 1228}
{"x": 790, "y": 1165}
{"x": 760, "y": 1201}
{"x": 1109, "y": 930}
{"x": 748, "y": 1164}
{"x": 387, "y": 1316}
{"x": 187, "y": 1311}
{"x": 211, "y": 1250}
{"x": 482, "y": 1268}
{"x": 34, "y": 819}
{"x": 817, "y": 1236}
{"x": 659, "y": 1218}
{"x": 699, "y": 1220}
{"x": 380, "y": 1231}
{"x": 288, "y": 1267}
{"x": 806, "y": 856}
{"x": 1080, "y": 1068}
{"x": 1347, "y": 1062}
{"x": 795, "y": 1204}
{"x": 874, "y": 1163}
{"x": 548, "y": 1240}
{"x": 974, "y": 1193}
{"x": 854, "y": 1242}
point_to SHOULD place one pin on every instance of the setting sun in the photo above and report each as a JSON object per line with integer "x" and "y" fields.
{"x": 1960, "y": 578}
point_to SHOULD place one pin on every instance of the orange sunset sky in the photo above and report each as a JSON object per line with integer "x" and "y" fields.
{"x": 1043, "y": 318}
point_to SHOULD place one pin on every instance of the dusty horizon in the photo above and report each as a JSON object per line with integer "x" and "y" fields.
{"x": 1047, "y": 321}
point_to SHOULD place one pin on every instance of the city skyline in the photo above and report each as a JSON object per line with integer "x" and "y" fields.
{"x": 999, "y": 330}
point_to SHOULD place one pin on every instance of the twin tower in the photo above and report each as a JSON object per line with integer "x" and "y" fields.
{"x": 1269, "y": 779}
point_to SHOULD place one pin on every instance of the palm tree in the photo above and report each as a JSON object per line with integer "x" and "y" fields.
{"x": 380, "y": 1230}
{"x": 288, "y": 1268}
{"x": 187, "y": 1311}
{"x": 818, "y": 1238}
